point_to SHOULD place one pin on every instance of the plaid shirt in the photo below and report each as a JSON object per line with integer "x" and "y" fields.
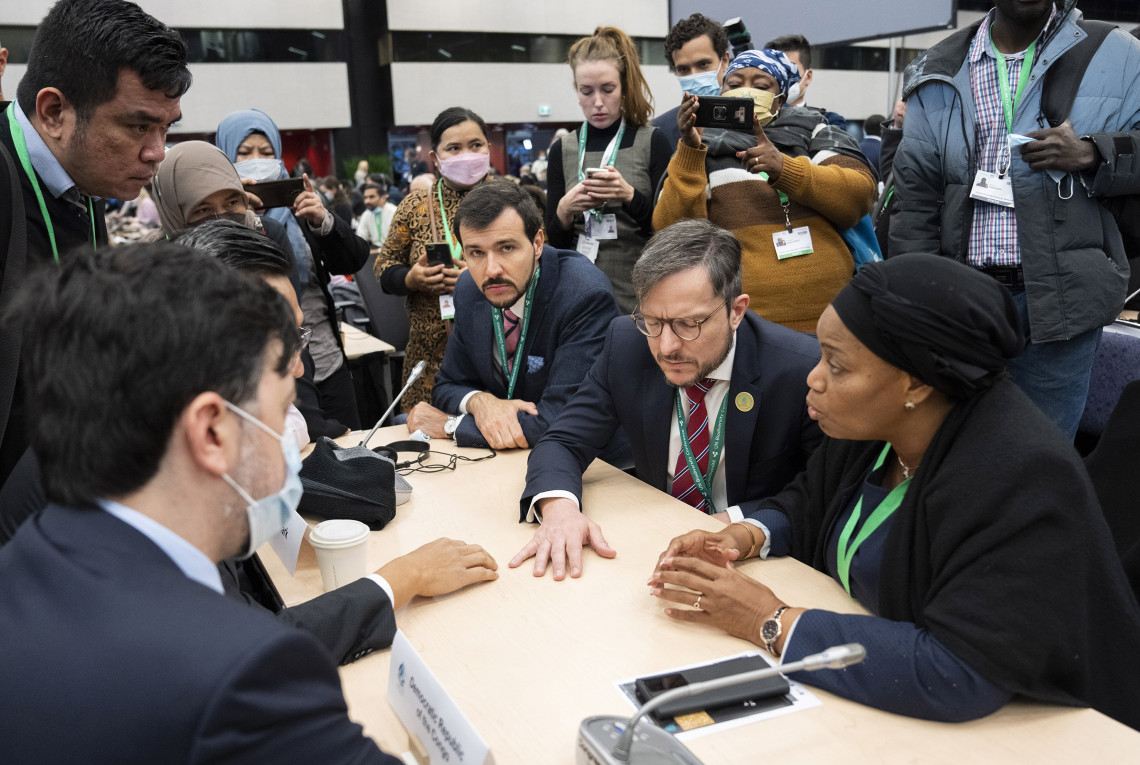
{"x": 993, "y": 235}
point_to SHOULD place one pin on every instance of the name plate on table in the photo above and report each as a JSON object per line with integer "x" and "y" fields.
{"x": 428, "y": 713}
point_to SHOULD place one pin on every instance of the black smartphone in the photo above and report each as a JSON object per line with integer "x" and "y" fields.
{"x": 728, "y": 113}
{"x": 277, "y": 193}
{"x": 439, "y": 254}
{"x": 646, "y": 688}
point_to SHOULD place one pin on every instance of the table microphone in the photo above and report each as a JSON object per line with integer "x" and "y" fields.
{"x": 417, "y": 370}
{"x": 610, "y": 740}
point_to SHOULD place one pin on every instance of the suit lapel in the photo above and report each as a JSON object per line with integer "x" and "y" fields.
{"x": 657, "y": 416}
{"x": 544, "y": 297}
{"x": 741, "y": 425}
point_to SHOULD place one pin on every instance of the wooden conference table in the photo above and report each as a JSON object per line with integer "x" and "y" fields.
{"x": 527, "y": 659}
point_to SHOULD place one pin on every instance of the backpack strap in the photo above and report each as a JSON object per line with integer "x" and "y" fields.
{"x": 1063, "y": 79}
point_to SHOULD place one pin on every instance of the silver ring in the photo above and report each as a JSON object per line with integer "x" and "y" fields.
{"x": 697, "y": 605}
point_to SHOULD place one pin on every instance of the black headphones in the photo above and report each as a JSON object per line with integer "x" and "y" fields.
{"x": 392, "y": 451}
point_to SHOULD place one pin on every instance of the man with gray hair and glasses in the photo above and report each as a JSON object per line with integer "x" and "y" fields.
{"x": 710, "y": 395}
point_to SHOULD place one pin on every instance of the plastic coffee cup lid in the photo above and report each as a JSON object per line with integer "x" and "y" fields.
{"x": 338, "y": 533}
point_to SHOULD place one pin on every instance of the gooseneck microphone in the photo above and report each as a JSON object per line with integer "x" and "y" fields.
{"x": 596, "y": 735}
{"x": 417, "y": 370}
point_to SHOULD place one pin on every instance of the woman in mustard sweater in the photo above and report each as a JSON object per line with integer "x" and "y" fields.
{"x": 786, "y": 191}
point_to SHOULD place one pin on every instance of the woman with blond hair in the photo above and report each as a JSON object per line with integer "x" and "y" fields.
{"x": 607, "y": 215}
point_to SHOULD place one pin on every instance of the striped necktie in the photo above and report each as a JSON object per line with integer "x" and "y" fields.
{"x": 511, "y": 325}
{"x": 684, "y": 487}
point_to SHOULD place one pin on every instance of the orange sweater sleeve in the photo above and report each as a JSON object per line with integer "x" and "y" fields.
{"x": 683, "y": 193}
{"x": 840, "y": 188}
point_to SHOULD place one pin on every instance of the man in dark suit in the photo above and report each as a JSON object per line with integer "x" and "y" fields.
{"x": 152, "y": 457}
{"x": 351, "y": 621}
{"x": 696, "y": 380}
{"x": 549, "y": 307}
{"x": 102, "y": 86}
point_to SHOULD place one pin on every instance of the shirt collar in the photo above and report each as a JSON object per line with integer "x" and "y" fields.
{"x": 724, "y": 371}
{"x": 192, "y": 561}
{"x": 983, "y": 46}
{"x": 45, "y": 164}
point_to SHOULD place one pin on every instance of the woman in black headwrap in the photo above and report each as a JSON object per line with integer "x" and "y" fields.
{"x": 945, "y": 503}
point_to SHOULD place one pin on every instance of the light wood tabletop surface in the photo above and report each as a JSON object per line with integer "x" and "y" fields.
{"x": 527, "y": 659}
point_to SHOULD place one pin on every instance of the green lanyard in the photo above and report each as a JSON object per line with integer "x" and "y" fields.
{"x": 26, "y": 163}
{"x": 512, "y": 375}
{"x": 456, "y": 247}
{"x": 881, "y": 513}
{"x": 784, "y": 203}
{"x": 609, "y": 156}
{"x": 1008, "y": 103}
{"x": 716, "y": 446}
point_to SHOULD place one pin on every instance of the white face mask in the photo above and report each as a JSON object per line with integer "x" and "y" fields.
{"x": 268, "y": 515}
{"x": 260, "y": 169}
{"x": 794, "y": 93}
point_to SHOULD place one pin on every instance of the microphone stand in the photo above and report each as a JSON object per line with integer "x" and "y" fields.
{"x": 417, "y": 370}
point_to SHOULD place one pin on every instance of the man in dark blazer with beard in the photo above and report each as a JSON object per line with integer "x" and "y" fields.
{"x": 553, "y": 307}
{"x": 692, "y": 351}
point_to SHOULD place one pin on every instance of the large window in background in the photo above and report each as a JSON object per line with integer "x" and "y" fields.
{"x": 506, "y": 48}
{"x": 216, "y": 46}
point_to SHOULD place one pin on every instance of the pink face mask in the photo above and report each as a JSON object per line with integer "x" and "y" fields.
{"x": 465, "y": 169}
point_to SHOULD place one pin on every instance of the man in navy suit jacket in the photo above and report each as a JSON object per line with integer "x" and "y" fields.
{"x": 158, "y": 420}
{"x": 694, "y": 326}
{"x": 559, "y": 307}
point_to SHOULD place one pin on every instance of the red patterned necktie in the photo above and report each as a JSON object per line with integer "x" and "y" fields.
{"x": 511, "y": 325}
{"x": 684, "y": 487}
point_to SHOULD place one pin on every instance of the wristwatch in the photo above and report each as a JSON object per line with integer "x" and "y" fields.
{"x": 771, "y": 630}
{"x": 450, "y": 426}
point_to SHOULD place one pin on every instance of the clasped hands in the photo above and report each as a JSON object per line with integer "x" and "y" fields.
{"x": 698, "y": 570}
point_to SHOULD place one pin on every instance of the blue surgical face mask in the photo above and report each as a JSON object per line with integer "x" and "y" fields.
{"x": 260, "y": 169}
{"x": 268, "y": 515}
{"x": 701, "y": 84}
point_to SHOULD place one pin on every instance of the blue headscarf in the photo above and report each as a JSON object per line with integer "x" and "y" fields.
{"x": 774, "y": 62}
{"x": 235, "y": 128}
{"x": 238, "y": 126}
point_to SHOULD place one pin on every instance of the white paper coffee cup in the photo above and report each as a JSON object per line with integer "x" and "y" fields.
{"x": 341, "y": 547}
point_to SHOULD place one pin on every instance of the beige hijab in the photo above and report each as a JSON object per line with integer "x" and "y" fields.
{"x": 191, "y": 171}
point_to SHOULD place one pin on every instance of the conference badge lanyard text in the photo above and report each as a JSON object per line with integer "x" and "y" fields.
{"x": 511, "y": 371}
{"x": 26, "y": 162}
{"x": 716, "y": 448}
{"x": 446, "y": 302}
{"x": 886, "y": 508}
{"x": 598, "y": 226}
{"x": 997, "y": 188}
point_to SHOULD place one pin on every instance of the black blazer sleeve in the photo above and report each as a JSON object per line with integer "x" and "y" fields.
{"x": 341, "y": 251}
{"x": 580, "y": 433}
{"x": 351, "y": 621}
{"x": 288, "y": 692}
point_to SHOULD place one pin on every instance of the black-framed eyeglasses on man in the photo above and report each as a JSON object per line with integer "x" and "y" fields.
{"x": 686, "y": 329}
{"x": 306, "y": 335}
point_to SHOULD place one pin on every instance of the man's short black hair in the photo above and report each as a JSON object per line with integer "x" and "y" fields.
{"x": 793, "y": 43}
{"x": 873, "y": 125}
{"x": 81, "y": 45}
{"x": 373, "y": 187}
{"x": 118, "y": 342}
{"x": 690, "y": 29}
{"x": 239, "y": 247}
{"x": 485, "y": 203}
